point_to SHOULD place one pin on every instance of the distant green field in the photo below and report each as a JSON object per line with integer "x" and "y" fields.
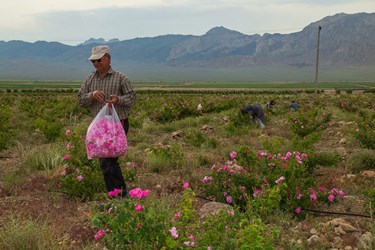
{"x": 38, "y": 85}
{"x": 196, "y": 85}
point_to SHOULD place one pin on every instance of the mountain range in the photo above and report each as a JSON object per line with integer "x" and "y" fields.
{"x": 346, "y": 53}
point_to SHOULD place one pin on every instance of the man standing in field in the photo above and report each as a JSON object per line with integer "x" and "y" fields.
{"x": 105, "y": 85}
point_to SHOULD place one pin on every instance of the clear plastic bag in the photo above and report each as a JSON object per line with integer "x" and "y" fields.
{"x": 105, "y": 137}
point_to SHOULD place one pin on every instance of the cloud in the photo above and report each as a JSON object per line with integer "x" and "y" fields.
{"x": 74, "y": 21}
{"x": 126, "y": 23}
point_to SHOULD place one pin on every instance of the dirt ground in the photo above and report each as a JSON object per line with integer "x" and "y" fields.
{"x": 68, "y": 219}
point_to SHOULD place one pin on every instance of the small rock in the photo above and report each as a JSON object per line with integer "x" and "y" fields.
{"x": 206, "y": 127}
{"x": 337, "y": 242}
{"x": 313, "y": 231}
{"x": 361, "y": 244}
{"x": 312, "y": 240}
{"x": 339, "y": 230}
{"x": 367, "y": 239}
{"x": 175, "y": 134}
{"x": 343, "y": 141}
{"x": 348, "y": 228}
{"x": 213, "y": 208}
{"x": 336, "y": 222}
{"x": 341, "y": 151}
{"x": 349, "y": 240}
{"x": 368, "y": 173}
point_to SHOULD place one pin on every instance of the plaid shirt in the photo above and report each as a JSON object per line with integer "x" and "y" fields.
{"x": 113, "y": 83}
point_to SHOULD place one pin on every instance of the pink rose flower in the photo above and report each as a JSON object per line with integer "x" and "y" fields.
{"x": 99, "y": 234}
{"x": 138, "y": 207}
{"x": 331, "y": 198}
{"x": 186, "y": 185}
{"x": 280, "y": 180}
{"x": 114, "y": 192}
{"x": 257, "y": 192}
{"x": 139, "y": 193}
{"x": 229, "y": 199}
{"x": 173, "y": 232}
{"x": 232, "y": 155}
{"x": 298, "y": 210}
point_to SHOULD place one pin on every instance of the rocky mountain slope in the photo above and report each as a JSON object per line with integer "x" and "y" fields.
{"x": 347, "y": 41}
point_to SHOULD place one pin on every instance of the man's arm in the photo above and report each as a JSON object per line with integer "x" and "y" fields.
{"x": 128, "y": 95}
{"x": 85, "y": 96}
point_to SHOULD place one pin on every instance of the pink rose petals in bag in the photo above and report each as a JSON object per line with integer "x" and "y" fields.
{"x": 105, "y": 137}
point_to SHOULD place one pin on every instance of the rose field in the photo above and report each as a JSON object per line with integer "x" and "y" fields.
{"x": 208, "y": 179}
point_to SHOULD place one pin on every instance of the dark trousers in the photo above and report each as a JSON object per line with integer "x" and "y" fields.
{"x": 111, "y": 169}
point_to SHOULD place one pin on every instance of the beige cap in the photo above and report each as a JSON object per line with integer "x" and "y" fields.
{"x": 98, "y": 52}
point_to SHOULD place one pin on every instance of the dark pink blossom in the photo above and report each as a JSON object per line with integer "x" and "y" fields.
{"x": 229, "y": 199}
{"x": 185, "y": 185}
{"x": 298, "y": 210}
{"x": 233, "y": 155}
{"x": 257, "y": 192}
{"x": 139, "y": 193}
{"x": 99, "y": 234}
{"x": 138, "y": 207}
{"x": 331, "y": 198}
{"x": 114, "y": 192}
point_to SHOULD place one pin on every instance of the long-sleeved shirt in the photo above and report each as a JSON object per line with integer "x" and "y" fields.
{"x": 256, "y": 111}
{"x": 113, "y": 83}
{"x": 294, "y": 106}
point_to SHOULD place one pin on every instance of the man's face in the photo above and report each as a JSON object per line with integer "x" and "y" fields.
{"x": 102, "y": 63}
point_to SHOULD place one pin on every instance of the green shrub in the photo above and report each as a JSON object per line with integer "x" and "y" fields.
{"x": 305, "y": 123}
{"x": 50, "y": 128}
{"x": 366, "y": 131}
{"x": 220, "y": 231}
{"x": 5, "y": 130}
{"x": 362, "y": 160}
{"x": 262, "y": 183}
{"x": 325, "y": 158}
{"x": 238, "y": 124}
{"x": 161, "y": 158}
{"x": 176, "y": 111}
{"x": 132, "y": 224}
{"x": 201, "y": 140}
{"x": 274, "y": 144}
{"x": 11, "y": 181}
{"x": 45, "y": 157}
{"x": 82, "y": 178}
{"x": 349, "y": 104}
{"x": 255, "y": 236}
{"x": 371, "y": 202}
{"x": 261, "y": 173}
{"x": 304, "y": 144}
{"x": 16, "y": 234}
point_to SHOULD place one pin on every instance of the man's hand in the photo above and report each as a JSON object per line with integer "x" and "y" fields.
{"x": 98, "y": 95}
{"x": 113, "y": 100}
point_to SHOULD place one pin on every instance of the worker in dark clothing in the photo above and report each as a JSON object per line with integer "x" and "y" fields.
{"x": 256, "y": 112}
{"x": 293, "y": 106}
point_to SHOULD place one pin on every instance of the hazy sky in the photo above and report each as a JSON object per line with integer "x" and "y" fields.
{"x": 74, "y": 21}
